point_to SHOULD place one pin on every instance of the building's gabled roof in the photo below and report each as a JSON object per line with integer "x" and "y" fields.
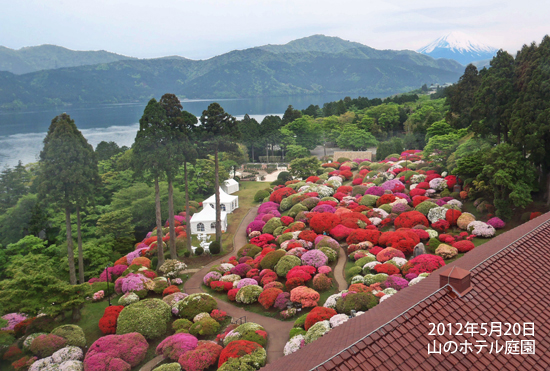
{"x": 207, "y": 214}
{"x": 224, "y": 198}
{"x": 510, "y": 278}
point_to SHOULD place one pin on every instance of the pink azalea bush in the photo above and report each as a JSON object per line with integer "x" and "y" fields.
{"x": 305, "y": 296}
{"x": 314, "y": 258}
{"x": 13, "y": 319}
{"x": 116, "y": 352}
{"x": 175, "y": 346}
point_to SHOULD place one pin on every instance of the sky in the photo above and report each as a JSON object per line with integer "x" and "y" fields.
{"x": 200, "y": 29}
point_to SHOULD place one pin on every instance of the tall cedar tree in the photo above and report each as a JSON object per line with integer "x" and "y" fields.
{"x": 68, "y": 175}
{"x": 530, "y": 128}
{"x": 149, "y": 157}
{"x": 495, "y": 98}
{"x": 219, "y": 130}
{"x": 180, "y": 125}
{"x": 461, "y": 98}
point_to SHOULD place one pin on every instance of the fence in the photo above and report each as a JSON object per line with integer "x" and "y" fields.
{"x": 238, "y": 321}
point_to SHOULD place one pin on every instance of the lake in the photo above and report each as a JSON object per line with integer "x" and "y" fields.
{"x": 22, "y": 132}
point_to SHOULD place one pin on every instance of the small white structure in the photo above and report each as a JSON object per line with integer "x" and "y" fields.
{"x": 228, "y": 203}
{"x": 204, "y": 242}
{"x": 205, "y": 221}
{"x": 230, "y": 186}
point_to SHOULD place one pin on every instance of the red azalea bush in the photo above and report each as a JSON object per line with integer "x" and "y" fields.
{"x": 278, "y": 195}
{"x": 324, "y": 222}
{"x": 357, "y": 181}
{"x": 218, "y": 315}
{"x": 388, "y": 253}
{"x": 387, "y": 268}
{"x": 221, "y": 285}
{"x": 340, "y": 232}
{"x": 423, "y": 185}
{"x": 375, "y": 250}
{"x": 12, "y": 352}
{"x": 107, "y": 323}
{"x": 402, "y": 239}
{"x": 386, "y": 199}
{"x": 262, "y": 240}
{"x": 417, "y": 192}
{"x": 232, "y": 294}
{"x": 292, "y": 283}
{"x": 307, "y": 235}
{"x": 464, "y": 246}
{"x": 451, "y": 181}
{"x": 347, "y": 174}
{"x": 312, "y": 179}
{"x": 359, "y": 287}
{"x": 286, "y": 220}
{"x": 144, "y": 262}
{"x": 410, "y": 219}
{"x": 361, "y": 235}
{"x": 452, "y": 216}
{"x": 345, "y": 189}
{"x": 424, "y": 263}
{"x": 206, "y": 354}
{"x": 237, "y": 349}
{"x": 318, "y": 314}
{"x": 305, "y": 296}
{"x": 300, "y": 271}
{"x": 441, "y": 226}
{"x": 422, "y": 234}
{"x": 46, "y": 345}
{"x": 268, "y": 296}
{"x": 170, "y": 290}
{"x": 417, "y": 200}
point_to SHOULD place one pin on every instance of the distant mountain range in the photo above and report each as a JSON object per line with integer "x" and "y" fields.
{"x": 312, "y": 65}
{"x": 47, "y": 57}
{"x": 459, "y": 47}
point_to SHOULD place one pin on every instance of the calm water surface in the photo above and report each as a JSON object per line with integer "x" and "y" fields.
{"x": 22, "y": 132}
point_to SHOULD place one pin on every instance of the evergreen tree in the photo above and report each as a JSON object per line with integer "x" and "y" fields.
{"x": 461, "y": 98}
{"x": 250, "y": 132}
{"x": 219, "y": 130}
{"x": 13, "y": 185}
{"x": 290, "y": 115}
{"x": 149, "y": 156}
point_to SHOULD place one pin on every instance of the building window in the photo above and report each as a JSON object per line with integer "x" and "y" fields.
{"x": 213, "y": 225}
{"x": 200, "y": 227}
{"x": 223, "y": 207}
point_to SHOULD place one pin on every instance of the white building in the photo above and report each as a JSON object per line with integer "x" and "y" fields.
{"x": 230, "y": 186}
{"x": 205, "y": 221}
{"x": 228, "y": 203}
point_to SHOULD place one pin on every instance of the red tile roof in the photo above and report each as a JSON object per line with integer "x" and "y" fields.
{"x": 511, "y": 284}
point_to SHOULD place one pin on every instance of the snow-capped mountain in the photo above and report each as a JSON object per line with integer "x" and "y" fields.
{"x": 460, "y": 47}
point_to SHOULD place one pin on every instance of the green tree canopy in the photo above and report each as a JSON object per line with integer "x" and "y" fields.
{"x": 304, "y": 167}
{"x": 356, "y": 139}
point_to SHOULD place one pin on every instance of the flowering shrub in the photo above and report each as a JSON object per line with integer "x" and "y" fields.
{"x": 45, "y": 345}
{"x": 316, "y": 331}
{"x": 361, "y": 301}
{"x": 278, "y": 195}
{"x": 305, "y": 295}
{"x": 107, "y": 323}
{"x": 13, "y": 319}
{"x": 133, "y": 282}
{"x": 389, "y": 253}
{"x": 249, "y": 294}
{"x": 436, "y": 214}
{"x": 441, "y": 226}
{"x": 395, "y": 282}
{"x": 496, "y": 223}
{"x": 194, "y": 304}
{"x": 121, "y": 351}
{"x": 170, "y": 290}
{"x": 322, "y": 282}
{"x": 98, "y": 295}
{"x": 423, "y": 264}
{"x": 255, "y": 225}
{"x": 410, "y": 219}
{"x": 481, "y": 229}
{"x": 318, "y": 314}
{"x": 464, "y": 220}
{"x": 294, "y": 344}
{"x": 148, "y": 317}
{"x": 286, "y": 263}
{"x": 386, "y": 268}
{"x": 314, "y": 258}
{"x": 202, "y": 357}
{"x": 141, "y": 261}
{"x": 172, "y": 267}
{"x": 361, "y": 235}
{"x": 463, "y": 246}
{"x": 238, "y": 349}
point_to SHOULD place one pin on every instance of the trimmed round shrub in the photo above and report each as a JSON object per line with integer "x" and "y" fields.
{"x": 270, "y": 260}
{"x": 261, "y": 195}
{"x": 463, "y": 246}
{"x": 322, "y": 282}
{"x": 175, "y": 346}
{"x": 424, "y": 263}
{"x": 316, "y": 331}
{"x": 314, "y": 258}
{"x": 214, "y": 247}
{"x": 464, "y": 220}
{"x": 271, "y": 225}
{"x": 411, "y": 219}
{"x": 194, "y": 304}
{"x": 305, "y": 296}
{"x": 46, "y": 345}
{"x": 205, "y": 327}
{"x": 174, "y": 366}
{"x": 72, "y": 333}
{"x": 286, "y": 263}
{"x": 239, "y": 350}
{"x": 247, "y": 331}
{"x": 361, "y": 301}
{"x": 149, "y": 317}
{"x": 116, "y": 352}
{"x": 181, "y": 325}
{"x": 318, "y": 314}
{"x": 206, "y": 354}
{"x": 249, "y": 294}
{"x": 268, "y": 296}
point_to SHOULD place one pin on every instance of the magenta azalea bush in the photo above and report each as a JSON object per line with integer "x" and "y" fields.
{"x": 133, "y": 282}
{"x": 13, "y": 319}
{"x": 496, "y": 223}
{"x": 375, "y": 190}
{"x": 116, "y": 352}
{"x": 175, "y": 346}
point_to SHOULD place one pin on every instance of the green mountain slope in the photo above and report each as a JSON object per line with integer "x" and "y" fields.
{"x": 252, "y": 72}
{"x": 47, "y": 57}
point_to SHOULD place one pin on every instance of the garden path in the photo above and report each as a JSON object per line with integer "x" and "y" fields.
{"x": 277, "y": 330}
{"x": 339, "y": 273}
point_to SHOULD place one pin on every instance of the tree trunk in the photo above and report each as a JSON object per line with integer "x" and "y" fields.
{"x": 325, "y": 148}
{"x": 159, "y": 224}
{"x": 70, "y": 252}
{"x": 79, "y": 239}
{"x": 267, "y": 153}
{"x": 218, "y": 205}
{"x": 171, "y": 220}
{"x": 187, "y": 211}
{"x": 253, "y": 153}
{"x": 76, "y": 314}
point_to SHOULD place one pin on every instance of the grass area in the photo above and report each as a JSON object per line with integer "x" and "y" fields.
{"x": 246, "y": 202}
